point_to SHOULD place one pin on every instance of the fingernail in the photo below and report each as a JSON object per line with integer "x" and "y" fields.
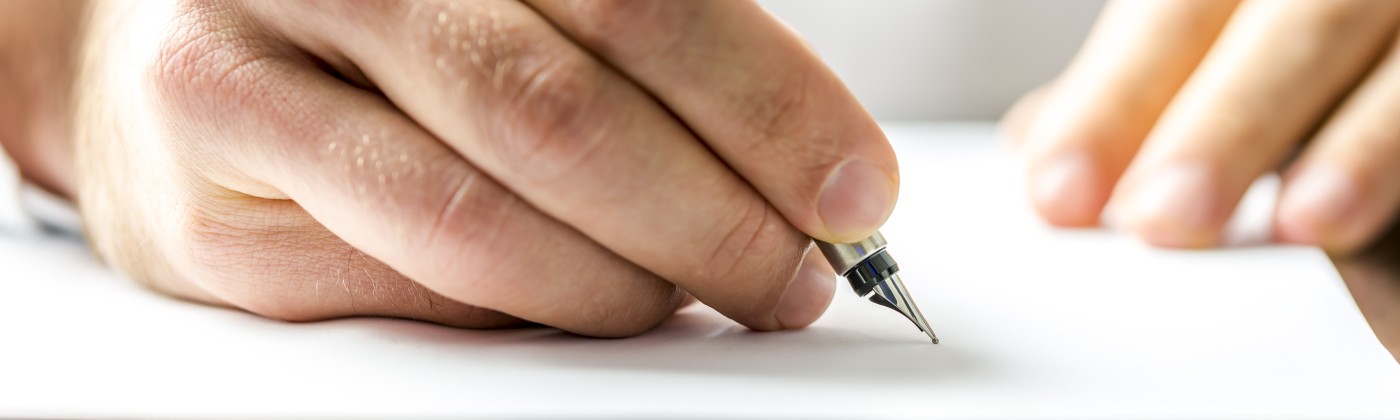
{"x": 1066, "y": 191}
{"x": 1177, "y": 207}
{"x": 809, "y": 294}
{"x": 855, "y": 200}
{"x": 1321, "y": 206}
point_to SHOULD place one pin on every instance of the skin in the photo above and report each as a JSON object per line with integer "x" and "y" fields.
{"x": 488, "y": 163}
{"x": 471, "y": 163}
{"x": 38, "y": 46}
{"x": 1173, "y": 108}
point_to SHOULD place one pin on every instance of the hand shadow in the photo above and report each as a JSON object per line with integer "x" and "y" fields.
{"x": 698, "y": 341}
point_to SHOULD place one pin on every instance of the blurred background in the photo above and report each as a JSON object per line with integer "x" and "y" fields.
{"x": 941, "y": 59}
{"x": 971, "y": 59}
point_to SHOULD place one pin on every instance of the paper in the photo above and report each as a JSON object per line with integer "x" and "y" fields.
{"x": 1035, "y": 322}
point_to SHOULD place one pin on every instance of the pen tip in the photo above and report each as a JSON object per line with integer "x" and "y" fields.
{"x": 892, "y": 294}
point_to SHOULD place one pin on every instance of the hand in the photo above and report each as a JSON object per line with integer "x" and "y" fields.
{"x": 37, "y": 40}
{"x": 474, "y": 163}
{"x": 1175, "y": 107}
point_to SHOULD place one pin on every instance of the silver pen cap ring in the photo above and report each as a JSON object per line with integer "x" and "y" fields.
{"x": 864, "y": 264}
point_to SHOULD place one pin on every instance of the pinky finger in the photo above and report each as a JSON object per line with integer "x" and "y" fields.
{"x": 1345, "y": 190}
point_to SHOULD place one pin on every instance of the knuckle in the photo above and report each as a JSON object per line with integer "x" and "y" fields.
{"x": 478, "y": 44}
{"x": 245, "y": 257}
{"x": 469, "y": 224}
{"x": 202, "y": 60}
{"x": 550, "y": 125}
{"x": 758, "y": 244}
{"x": 202, "y": 238}
{"x": 741, "y": 236}
{"x": 211, "y": 236}
{"x": 542, "y": 90}
{"x": 633, "y": 27}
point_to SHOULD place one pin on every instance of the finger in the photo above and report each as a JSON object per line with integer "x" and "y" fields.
{"x": 271, "y": 258}
{"x": 386, "y": 187}
{"x": 577, "y": 141}
{"x": 1087, "y": 131}
{"x": 1277, "y": 69}
{"x": 1343, "y": 192}
{"x": 1016, "y": 121}
{"x": 753, "y": 91}
{"x": 811, "y": 291}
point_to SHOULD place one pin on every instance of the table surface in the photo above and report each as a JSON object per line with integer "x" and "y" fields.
{"x": 1270, "y": 332}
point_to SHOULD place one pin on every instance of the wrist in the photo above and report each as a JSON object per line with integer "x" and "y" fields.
{"x": 38, "y": 57}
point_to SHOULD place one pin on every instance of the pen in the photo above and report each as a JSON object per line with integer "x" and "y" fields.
{"x": 873, "y": 274}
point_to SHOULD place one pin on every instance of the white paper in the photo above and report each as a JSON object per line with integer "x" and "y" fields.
{"x": 1035, "y": 322}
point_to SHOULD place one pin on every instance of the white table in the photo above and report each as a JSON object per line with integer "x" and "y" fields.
{"x": 1035, "y": 322}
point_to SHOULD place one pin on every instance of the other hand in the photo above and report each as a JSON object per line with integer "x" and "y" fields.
{"x": 1173, "y": 108}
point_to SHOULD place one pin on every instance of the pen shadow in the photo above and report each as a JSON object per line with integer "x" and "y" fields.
{"x": 700, "y": 344}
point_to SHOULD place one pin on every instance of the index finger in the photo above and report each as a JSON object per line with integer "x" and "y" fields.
{"x": 758, "y": 96}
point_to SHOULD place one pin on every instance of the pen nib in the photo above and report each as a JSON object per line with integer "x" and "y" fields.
{"x": 891, "y": 294}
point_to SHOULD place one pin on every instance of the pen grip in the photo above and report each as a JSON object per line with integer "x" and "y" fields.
{"x": 865, "y": 264}
{"x": 845, "y": 256}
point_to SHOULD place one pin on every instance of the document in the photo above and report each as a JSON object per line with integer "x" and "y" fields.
{"x": 1034, "y": 322}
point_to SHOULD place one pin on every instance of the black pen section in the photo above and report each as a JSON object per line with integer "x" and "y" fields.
{"x": 864, "y": 277}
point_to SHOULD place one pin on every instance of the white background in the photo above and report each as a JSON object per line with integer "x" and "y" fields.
{"x": 941, "y": 59}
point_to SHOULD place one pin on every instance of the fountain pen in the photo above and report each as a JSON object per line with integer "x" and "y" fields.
{"x": 874, "y": 275}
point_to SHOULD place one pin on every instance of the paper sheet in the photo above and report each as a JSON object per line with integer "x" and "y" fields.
{"x": 1035, "y": 322}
